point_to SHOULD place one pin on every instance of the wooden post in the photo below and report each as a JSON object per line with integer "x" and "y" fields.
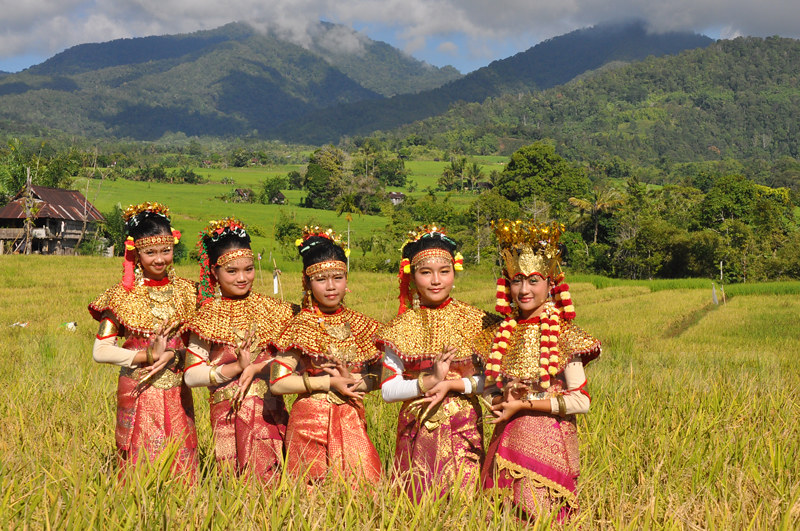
{"x": 28, "y": 211}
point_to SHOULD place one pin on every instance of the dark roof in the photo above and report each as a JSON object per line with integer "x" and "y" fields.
{"x": 396, "y": 195}
{"x": 53, "y": 203}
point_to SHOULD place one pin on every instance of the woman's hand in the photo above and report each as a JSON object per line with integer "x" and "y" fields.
{"x": 505, "y": 410}
{"x": 441, "y": 363}
{"x": 345, "y": 386}
{"x": 246, "y": 378}
{"x": 161, "y": 361}
{"x": 244, "y": 351}
{"x": 437, "y": 393}
{"x": 515, "y": 390}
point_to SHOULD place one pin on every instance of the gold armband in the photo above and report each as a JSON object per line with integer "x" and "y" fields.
{"x": 277, "y": 371}
{"x": 107, "y": 328}
{"x": 421, "y": 383}
{"x": 307, "y": 382}
{"x": 474, "y": 383}
{"x": 212, "y": 376}
{"x": 149, "y": 352}
{"x": 562, "y": 406}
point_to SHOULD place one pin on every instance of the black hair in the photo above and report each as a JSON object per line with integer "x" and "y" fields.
{"x": 317, "y": 249}
{"x": 146, "y": 224}
{"x": 229, "y": 240}
{"x": 433, "y": 240}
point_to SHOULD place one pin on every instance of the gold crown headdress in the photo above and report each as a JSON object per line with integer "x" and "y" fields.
{"x": 528, "y": 247}
{"x": 149, "y": 206}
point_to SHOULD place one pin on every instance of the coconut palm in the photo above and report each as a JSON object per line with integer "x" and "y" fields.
{"x": 602, "y": 199}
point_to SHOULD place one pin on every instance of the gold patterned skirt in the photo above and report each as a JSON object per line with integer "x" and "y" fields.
{"x": 325, "y": 438}
{"x": 154, "y": 416}
{"x": 249, "y": 439}
{"x": 444, "y": 448}
{"x": 535, "y": 457}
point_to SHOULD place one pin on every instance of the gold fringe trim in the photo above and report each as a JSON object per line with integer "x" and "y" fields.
{"x": 519, "y": 472}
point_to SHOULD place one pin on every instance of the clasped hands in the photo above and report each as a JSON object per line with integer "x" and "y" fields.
{"x": 511, "y": 402}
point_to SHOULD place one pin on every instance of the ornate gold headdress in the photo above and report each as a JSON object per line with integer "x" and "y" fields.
{"x": 528, "y": 247}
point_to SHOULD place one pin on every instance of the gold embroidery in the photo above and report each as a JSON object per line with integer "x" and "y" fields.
{"x": 166, "y": 379}
{"x": 521, "y": 359}
{"x": 230, "y": 256}
{"x": 145, "y": 307}
{"x": 420, "y": 333}
{"x": 330, "y": 265}
{"x": 219, "y": 320}
{"x": 258, "y": 388}
{"x": 161, "y": 239}
{"x": 345, "y": 336}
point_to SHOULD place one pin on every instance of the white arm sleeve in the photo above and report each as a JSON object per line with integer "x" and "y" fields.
{"x": 396, "y": 388}
{"x": 576, "y": 401}
{"x": 480, "y": 380}
{"x": 107, "y": 351}
{"x": 197, "y": 375}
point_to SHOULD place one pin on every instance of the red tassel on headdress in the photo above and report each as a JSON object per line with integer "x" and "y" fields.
{"x": 128, "y": 265}
{"x": 503, "y": 305}
{"x": 405, "y": 284}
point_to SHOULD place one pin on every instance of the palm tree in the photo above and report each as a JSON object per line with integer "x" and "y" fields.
{"x": 602, "y": 199}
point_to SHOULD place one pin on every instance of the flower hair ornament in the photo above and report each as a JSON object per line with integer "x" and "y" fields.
{"x": 132, "y": 219}
{"x": 529, "y": 248}
{"x": 426, "y": 255}
{"x": 210, "y": 234}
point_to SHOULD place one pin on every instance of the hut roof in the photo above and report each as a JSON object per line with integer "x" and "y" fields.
{"x": 53, "y": 203}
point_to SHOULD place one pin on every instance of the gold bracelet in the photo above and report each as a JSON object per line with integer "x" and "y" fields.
{"x": 307, "y": 382}
{"x": 421, "y": 384}
{"x": 149, "y": 353}
{"x": 474, "y": 383}
{"x": 562, "y": 406}
{"x": 212, "y": 376}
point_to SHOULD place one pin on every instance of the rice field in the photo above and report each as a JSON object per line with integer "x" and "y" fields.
{"x": 693, "y": 423}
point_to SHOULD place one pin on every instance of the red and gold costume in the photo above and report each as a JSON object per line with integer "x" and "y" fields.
{"x": 447, "y": 444}
{"x": 534, "y": 454}
{"x": 326, "y": 433}
{"x": 247, "y": 436}
{"x": 156, "y": 411}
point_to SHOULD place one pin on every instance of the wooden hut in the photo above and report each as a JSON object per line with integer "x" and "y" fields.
{"x": 60, "y": 219}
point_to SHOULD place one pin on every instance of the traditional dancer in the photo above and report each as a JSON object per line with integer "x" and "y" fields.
{"x": 428, "y": 352}
{"x": 327, "y": 357}
{"x": 154, "y": 407}
{"x": 228, "y": 333}
{"x": 534, "y": 371}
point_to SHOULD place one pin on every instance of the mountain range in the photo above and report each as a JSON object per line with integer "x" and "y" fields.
{"x": 239, "y": 81}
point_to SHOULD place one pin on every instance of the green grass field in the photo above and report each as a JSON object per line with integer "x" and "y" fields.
{"x": 693, "y": 422}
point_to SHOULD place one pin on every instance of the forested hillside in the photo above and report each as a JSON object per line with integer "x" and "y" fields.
{"x": 734, "y": 99}
{"x": 548, "y": 64}
{"x": 225, "y": 82}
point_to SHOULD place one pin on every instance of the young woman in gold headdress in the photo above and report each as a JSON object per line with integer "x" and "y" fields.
{"x": 326, "y": 357}
{"x": 534, "y": 373}
{"x": 229, "y": 332}
{"x": 154, "y": 408}
{"x": 430, "y": 366}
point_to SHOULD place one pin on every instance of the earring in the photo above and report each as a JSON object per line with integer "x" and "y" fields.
{"x": 171, "y": 273}
{"x": 415, "y": 301}
{"x": 307, "y": 299}
{"x": 138, "y": 275}
{"x": 217, "y": 292}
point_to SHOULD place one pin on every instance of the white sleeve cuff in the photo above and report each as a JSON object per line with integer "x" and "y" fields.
{"x": 397, "y": 389}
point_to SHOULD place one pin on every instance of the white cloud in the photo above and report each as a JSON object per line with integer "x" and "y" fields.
{"x": 48, "y": 26}
{"x": 447, "y": 47}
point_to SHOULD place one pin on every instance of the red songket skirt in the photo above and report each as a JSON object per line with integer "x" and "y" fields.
{"x": 150, "y": 419}
{"x": 436, "y": 458}
{"x": 535, "y": 456}
{"x": 250, "y": 439}
{"x": 324, "y": 438}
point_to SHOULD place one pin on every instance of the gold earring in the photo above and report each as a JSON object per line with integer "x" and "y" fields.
{"x": 138, "y": 275}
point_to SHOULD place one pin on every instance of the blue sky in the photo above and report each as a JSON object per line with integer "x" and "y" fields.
{"x": 465, "y": 33}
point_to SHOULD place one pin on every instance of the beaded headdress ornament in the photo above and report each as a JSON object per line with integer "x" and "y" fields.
{"x": 131, "y": 218}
